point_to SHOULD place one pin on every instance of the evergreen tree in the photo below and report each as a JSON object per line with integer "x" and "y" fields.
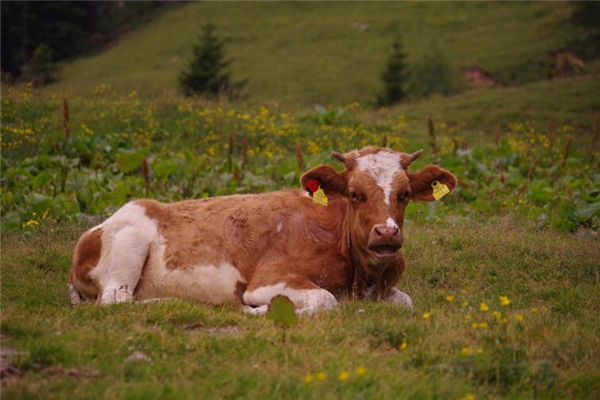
{"x": 394, "y": 77}
{"x": 41, "y": 65}
{"x": 207, "y": 74}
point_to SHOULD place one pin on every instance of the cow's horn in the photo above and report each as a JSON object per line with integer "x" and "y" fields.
{"x": 412, "y": 157}
{"x": 339, "y": 156}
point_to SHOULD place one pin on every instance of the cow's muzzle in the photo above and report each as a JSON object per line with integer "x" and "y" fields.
{"x": 385, "y": 241}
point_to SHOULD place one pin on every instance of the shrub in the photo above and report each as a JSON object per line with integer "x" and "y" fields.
{"x": 41, "y": 65}
{"x": 207, "y": 73}
{"x": 394, "y": 77}
{"x": 433, "y": 74}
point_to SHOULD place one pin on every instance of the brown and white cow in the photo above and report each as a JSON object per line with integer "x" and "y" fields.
{"x": 246, "y": 249}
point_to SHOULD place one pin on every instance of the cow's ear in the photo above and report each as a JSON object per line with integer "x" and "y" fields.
{"x": 421, "y": 182}
{"x": 326, "y": 177}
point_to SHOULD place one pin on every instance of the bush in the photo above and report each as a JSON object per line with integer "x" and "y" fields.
{"x": 207, "y": 74}
{"x": 394, "y": 77}
{"x": 434, "y": 75}
{"x": 41, "y": 65}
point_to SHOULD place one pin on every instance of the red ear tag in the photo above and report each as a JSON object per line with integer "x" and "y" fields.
{"x": 312, "y": 185}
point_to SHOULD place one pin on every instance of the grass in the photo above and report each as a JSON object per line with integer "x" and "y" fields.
{"x": 491, "y": 239}
{"x": 307, "y": 53}
{"x": 543, "y": 345}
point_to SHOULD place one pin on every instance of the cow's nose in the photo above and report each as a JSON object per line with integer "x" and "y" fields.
{"x": 386, "y": 231}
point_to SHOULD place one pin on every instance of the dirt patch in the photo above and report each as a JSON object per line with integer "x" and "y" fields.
{"x": 478, "y": 77}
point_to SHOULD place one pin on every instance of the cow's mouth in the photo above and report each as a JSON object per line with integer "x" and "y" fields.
{"x": 385, "y": 250}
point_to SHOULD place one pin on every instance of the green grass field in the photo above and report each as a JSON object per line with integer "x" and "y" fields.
{"x": 504, "y": 273}
{"x": 302, "y": 54}
{"x": 544, "y": 344}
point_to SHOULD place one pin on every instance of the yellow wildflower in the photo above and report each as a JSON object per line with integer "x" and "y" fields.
{"x": 519, "y": 317}
{"x": 344, "y": 375}
{"x": 427, "y": 315}
{"x": 309, "y": 378}
{"x": 483, "y": 307}
{"x": 360, "y": 370}
{"x": 479, "y": 350}
{"x": 321, "y": 376}
{"x": 468, "y": 396}
{"x": 450, "y": 298}
{"x": 403, "y": 345}
{"x": 504, "y": 301}
{"x": 32, "y": 222}
{"x": 468, "y": 317}
{"x": 483, "y": 325}
{"x": 465, "y": 351}
{"x": 464, "y": 304}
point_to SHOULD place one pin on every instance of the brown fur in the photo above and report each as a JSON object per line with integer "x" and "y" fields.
{"x": 85, "y": 258}
{"x": 243, "y": 230}
{"x": 284, "y": 236}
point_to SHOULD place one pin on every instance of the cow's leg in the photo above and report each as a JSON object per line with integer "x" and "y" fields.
{"x": 123, "y": 265}
{"x": 306, "y": 296}
{"x": 399, "y": 297}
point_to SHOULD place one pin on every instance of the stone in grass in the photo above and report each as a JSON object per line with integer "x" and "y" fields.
{"x": 138, "y": 356}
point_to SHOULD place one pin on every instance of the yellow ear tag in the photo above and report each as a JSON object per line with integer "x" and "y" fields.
{"x": 319, "y": 197}
{"x": 439, "y": 189}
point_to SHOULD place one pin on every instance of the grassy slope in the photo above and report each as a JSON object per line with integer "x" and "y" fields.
{"x": 552, "y": 281}
{"x": 299, "y": 54}
{"x": 552, "y": 353}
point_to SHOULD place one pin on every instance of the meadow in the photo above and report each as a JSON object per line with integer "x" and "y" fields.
{"x": 504, "y": 272}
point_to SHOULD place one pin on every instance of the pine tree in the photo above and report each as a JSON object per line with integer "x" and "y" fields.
{"x": 394, "y": 77}
{"x": 207, "y": 74}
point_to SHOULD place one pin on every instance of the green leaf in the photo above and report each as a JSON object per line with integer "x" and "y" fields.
{"x": 121, "y": 192}
{"x": 164, "y": 168}
{"x": 41, "y": 180}
{"x": 282, "y": 311}
{"x": 129, "y": 160}
{"x": 587, "y": 212}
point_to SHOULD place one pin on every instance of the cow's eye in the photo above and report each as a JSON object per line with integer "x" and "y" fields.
{"x": 356, "y": 197}
{"x": 402, "y": 197}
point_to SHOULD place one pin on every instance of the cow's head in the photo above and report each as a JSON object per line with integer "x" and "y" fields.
{"x": 377, "y": 186}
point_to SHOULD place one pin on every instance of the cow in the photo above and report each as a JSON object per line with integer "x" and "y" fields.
{"x": 339, "y": 236}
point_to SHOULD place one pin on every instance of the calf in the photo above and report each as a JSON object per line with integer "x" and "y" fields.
{"x": 339, "y": 236}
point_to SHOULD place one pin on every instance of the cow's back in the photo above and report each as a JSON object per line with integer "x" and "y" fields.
{"x": 209, "y": 249}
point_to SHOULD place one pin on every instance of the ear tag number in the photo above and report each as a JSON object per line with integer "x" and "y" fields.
{"x": 439, "y": 189}
{"x": 319, "y": 197}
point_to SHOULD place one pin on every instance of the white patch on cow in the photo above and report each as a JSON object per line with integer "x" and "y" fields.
{"x": 206, "y": 283}
{"x": 382, "y": 166}
{"x": 130, "y": 240}
{"x": 279, "y": 226}
{"x": 390, "y": 223}
{"x": 307, "y": 301}
{"x": 126, "y": 237}
{"x": 399, "y": 297}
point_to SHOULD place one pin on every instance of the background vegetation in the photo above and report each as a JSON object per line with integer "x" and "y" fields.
{"x": 504, "y": 272}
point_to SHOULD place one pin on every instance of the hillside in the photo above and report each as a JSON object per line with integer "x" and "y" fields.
{"x": 302, "y": 54}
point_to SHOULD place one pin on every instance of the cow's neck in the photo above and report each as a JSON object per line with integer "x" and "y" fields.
{"x": 363, "y": 283}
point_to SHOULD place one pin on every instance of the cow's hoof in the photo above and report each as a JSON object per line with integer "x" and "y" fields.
{"x": 399, "y": 297}
{"x": 260, "y": 310}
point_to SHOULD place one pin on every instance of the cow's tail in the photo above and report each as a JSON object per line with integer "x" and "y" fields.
{"x": 75, "y": 295}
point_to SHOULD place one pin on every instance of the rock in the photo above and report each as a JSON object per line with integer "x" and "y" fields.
{"x": 138, "y": 356}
